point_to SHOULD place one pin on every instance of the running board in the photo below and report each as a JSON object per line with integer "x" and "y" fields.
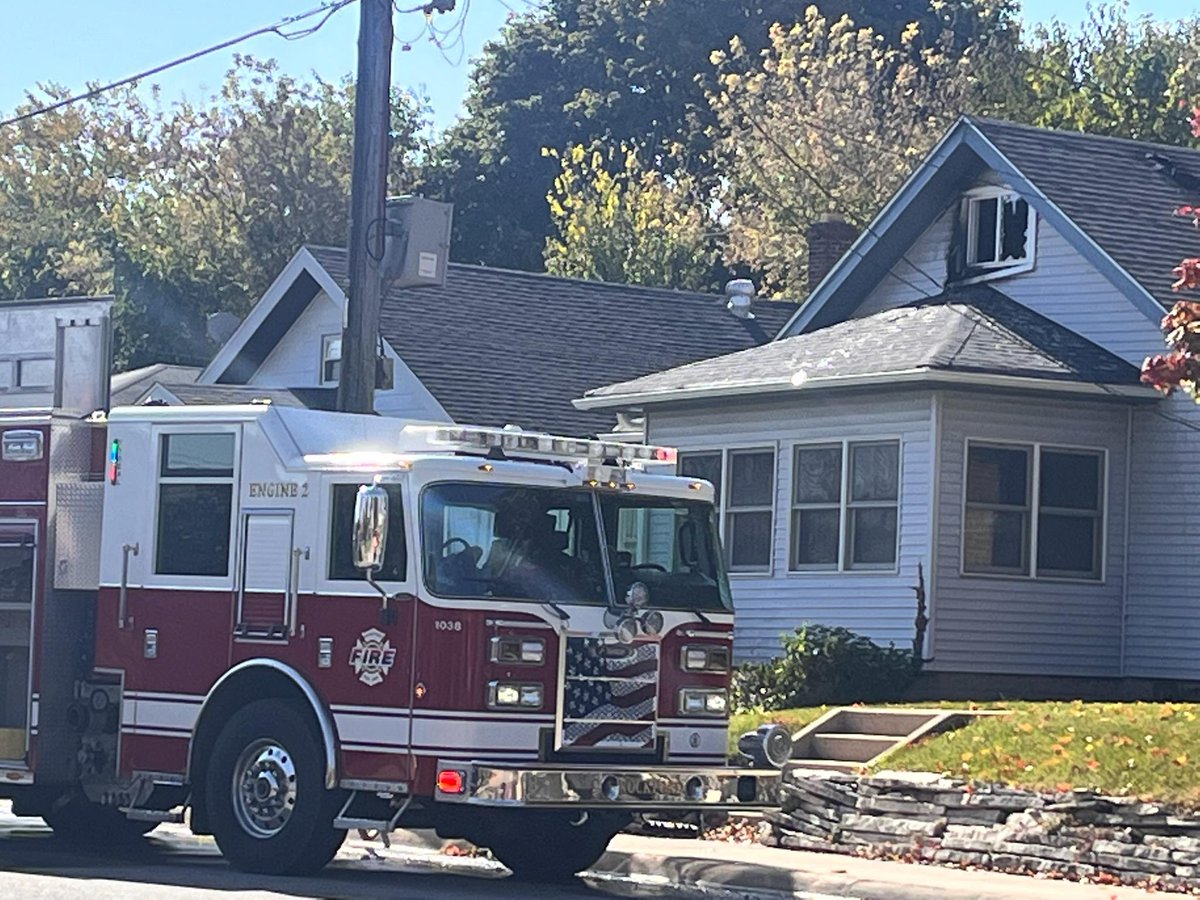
{"x": 153, "y": 815}
{"x": 384, "y": 826}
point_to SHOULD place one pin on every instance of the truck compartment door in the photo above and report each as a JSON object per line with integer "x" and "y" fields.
{"x": 18, "y": 563}
{"x": 266, "y": 586}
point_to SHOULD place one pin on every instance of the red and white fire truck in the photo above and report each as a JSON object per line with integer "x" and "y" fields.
{"x": 288, "y": 623}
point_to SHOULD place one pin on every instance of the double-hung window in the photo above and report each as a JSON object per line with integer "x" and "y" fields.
{"x": 331, "y": 360}
{"x": 195, "y": 503}
{"x": 744, "y": 480}
{"x": 1034, "y": 510}
{"x": 845, "y": 505}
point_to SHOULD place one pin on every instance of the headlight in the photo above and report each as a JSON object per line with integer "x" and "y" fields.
{"x": 705, "y": 658}
{"x": 513, "y": 695}
{"x": 702, "y": 702}
{"x": 517, "y": 651}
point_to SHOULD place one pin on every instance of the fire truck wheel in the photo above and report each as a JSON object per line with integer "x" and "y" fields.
{"x": 82, "y": 822}
{"x": 552, "y": 848}
{"x": 269, "y": 809}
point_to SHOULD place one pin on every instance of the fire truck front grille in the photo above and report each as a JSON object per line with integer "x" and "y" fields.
{"x": 610, "y": 695}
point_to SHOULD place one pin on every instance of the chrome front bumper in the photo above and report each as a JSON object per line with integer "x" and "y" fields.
{"x": 613, "y": 787}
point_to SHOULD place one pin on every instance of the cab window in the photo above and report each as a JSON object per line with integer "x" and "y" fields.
{"x": 341, "y": 536}
{"x": 195, "y": 504}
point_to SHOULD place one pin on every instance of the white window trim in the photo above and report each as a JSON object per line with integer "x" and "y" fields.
{"x": 987, "y": 271}
{"x": 721, "y": 500}
{"x": 844, "y": 565}
{"x": 154, "y": 578}
{"x": 321, "y": 379}
{"x": 332, "y": 588}
{"x": 1035, "y": 509}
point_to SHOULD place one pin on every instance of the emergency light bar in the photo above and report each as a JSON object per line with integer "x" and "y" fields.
{"x": 551, "y": 446}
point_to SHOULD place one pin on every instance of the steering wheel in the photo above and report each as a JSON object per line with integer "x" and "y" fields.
{"x": 446, "y": 545}
{"x": 655, "y": 566}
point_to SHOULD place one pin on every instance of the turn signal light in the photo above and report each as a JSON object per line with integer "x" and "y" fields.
{"x": 451, "y": 781}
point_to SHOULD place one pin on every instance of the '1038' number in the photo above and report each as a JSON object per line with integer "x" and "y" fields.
{"x": 447, "y": 625}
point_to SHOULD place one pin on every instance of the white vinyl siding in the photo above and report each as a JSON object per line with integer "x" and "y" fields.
{"x": 879, "y": 604}
{"x": 1018, "y": 624}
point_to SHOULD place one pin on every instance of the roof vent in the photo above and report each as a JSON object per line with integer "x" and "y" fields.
{"x": 740, "y": 292}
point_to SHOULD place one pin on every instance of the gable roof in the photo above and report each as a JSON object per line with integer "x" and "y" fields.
{"x": 1122, "y": 193}
{"x": 498, "y": 347}
{"x": 1107, "y": 199}
{"x": 973, "y": 334}
{"x": 126, "y": 388}
{"x": 216, "y": 394}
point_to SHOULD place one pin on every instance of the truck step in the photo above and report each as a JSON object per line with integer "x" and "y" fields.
{"x": 351, "y": 822}
{"x": 153, "y": 815}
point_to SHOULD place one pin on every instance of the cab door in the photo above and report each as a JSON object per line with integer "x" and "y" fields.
{"x": 18, "y": 563}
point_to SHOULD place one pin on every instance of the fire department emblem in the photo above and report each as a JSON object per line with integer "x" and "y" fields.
{"x": 372, "y": 657}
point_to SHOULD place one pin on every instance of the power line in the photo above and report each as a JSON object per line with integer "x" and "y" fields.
{"x": 325, "y": 10}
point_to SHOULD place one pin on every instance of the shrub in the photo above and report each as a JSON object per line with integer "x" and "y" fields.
{"x": 823, "y": 665}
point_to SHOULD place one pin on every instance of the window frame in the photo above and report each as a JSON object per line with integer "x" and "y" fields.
{"x": 335, "y": 588}
{"x": 721, "y": 500}
{"x": 211, "y": 582}
{"x": 326, "y": 340}
{"x": 845, "y": 507}
{"x": 996, "y": 268}
{"x": 1036, "y": 449}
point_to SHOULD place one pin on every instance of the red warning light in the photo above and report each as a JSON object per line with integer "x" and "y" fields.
{"x": 451, "y": 781}
{"x": 665, "y": 454}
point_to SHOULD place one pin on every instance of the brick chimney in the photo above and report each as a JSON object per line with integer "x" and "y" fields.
{"x": 828, "y": 238}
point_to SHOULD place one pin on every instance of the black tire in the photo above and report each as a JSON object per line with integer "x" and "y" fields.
{"x": 286, "y": 828}
{"x": 80, "y": 821}
{"x": 550, "y": 847}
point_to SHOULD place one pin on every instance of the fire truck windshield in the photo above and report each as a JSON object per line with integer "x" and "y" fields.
{"x": 544, "y": 544}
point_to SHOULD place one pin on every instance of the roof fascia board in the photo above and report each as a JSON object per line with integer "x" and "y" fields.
{"x": 302, "y": 261}
{"x": 1074, "y": 235}
{"x": 877, "y": 379}
{"x": 870, "y": 236}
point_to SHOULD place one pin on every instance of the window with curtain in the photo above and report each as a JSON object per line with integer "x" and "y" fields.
{"x": 845, "y": 505}
{"x": 744, "y": 483}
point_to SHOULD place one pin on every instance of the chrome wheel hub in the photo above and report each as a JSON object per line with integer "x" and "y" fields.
{"x": 264, "y": 788}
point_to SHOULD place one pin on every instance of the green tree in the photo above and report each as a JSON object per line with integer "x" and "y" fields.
{"x": 184, "y": 210}
{"x": 830, "y": 119}
{"x": 618, "y": 221}
{"x": 1113, "y": 75}
{"x": 612, "y": 71}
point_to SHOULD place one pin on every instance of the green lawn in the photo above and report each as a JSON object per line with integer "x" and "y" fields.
{"x": 1147, "y": 750}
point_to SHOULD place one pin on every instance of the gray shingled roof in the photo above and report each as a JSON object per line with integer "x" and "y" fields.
{"x": 210, "y": 394}
{"x": 1122, "y": 193}
{"x": 973, "y": 329}
{"x": 499, "y": 347}
{"x": 126, "y": 388}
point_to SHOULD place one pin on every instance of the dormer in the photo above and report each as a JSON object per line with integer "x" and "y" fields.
{"x": 995, "y": 235}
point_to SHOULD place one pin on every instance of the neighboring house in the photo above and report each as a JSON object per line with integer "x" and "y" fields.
{"x": 491, "y": 347}
{"x": 132, "y": 387}
{"x": 957, "y": 406}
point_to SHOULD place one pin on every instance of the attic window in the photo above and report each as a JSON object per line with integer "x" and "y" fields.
{"x": 1000, "y": 234}
{"x": 331, "y": 359}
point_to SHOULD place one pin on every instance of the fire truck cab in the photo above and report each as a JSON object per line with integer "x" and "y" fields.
{"x": 288, "y": 623}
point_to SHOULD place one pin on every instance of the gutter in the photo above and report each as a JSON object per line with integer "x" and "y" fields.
{"x": 923, "y": 375}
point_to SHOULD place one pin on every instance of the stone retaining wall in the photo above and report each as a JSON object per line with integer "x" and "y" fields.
{"x": 1077, "y": 835}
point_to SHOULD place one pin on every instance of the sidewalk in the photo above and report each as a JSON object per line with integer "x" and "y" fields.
{"x": 753, "y": 867}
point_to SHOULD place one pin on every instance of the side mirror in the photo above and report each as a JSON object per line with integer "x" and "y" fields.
{"x": 370, "y": 527}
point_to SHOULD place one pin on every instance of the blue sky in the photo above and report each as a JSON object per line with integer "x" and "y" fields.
{"x": 103, "y": 40}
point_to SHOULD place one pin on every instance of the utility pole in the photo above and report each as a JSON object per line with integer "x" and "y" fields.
{"x": 368, "y": 191}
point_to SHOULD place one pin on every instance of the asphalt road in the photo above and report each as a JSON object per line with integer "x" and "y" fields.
{"x": 173, "y": 863}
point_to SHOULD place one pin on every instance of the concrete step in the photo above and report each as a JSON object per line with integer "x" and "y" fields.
{"x": 859, "y": 748}
{"x": 898, "y": 722}
{"x": 825, "y": 765}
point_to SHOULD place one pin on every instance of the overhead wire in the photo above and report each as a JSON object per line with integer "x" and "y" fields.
{"x": 327, "y": 9}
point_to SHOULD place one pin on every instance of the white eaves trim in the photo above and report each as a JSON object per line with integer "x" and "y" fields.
{"x": 876, "y": 379}
{"x": 303, "y": 261}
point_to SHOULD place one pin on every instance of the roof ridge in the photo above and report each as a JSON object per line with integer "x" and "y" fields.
{"x": 611, "y": 285}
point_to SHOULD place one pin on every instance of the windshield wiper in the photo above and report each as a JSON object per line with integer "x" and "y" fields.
{"x": 558, "y": 610}
{"x": 701, "y": 616}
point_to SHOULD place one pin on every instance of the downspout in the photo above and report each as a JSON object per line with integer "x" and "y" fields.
{"x": 935, "y": 457}
{"x": 1125, "y": 538}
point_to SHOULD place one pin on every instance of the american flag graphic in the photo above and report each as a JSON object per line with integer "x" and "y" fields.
{"x": 611, "y": 694}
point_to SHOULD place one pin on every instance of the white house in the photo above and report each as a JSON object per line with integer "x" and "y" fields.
{"x": 960, "y": 398}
